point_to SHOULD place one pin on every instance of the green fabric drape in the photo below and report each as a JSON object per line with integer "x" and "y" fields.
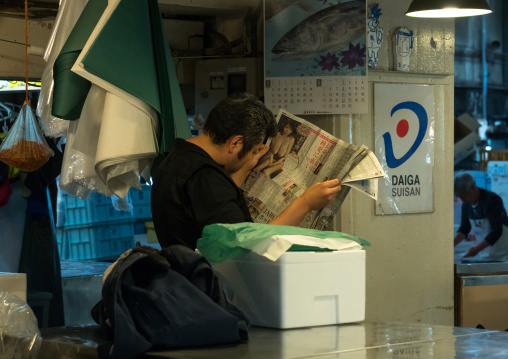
{"x": 131, "y": 52}
{"x": 70, "y": 90}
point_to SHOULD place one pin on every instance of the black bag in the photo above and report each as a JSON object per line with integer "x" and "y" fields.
{"x": 169, "y": 298}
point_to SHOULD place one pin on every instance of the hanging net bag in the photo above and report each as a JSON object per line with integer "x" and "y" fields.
{"x": 25, "y": 147}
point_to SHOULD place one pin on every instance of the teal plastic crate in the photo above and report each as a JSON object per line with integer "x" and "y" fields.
{"x": 95, "y": 209}
{"x": 96, "y": 241}
{"x": 141, "y": 202}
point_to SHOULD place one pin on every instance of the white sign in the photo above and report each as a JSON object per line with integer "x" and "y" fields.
{"x": 404, "y": 133}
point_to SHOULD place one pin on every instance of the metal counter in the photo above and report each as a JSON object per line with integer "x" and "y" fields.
{"x": 81, "y": 285}
{"x": 472, "y": 267}
{"x": 346, "y": 341}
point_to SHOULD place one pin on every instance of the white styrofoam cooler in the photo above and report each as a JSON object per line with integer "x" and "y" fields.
{"x": 14, "y": 283}
{"x": 300, "y": 289}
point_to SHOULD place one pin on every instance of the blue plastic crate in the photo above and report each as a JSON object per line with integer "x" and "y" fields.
{"x": 97, "y": 241}
{"x": 139, "y": 226}
{"x": 141, "y": 202}
{"x": 96, "y": 208}
{"x": 141, "y": 197}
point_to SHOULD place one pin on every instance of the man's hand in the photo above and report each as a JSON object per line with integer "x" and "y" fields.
{"x": 320, "y": 194}
{"x": 241, "y": 175}
{"x": 255, "y": 159}
{"x": 317, "y": 196}
{"x": 473, "y": 251}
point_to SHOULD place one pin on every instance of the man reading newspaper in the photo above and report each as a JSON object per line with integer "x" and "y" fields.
{"x": 199, "y": 182}
{"x": 300, "y": 155}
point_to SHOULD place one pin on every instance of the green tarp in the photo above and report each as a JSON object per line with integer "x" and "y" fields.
{"x": 130, "y": 52}
{"x": 70, "y": 90}
{"x": 225, "y": 241}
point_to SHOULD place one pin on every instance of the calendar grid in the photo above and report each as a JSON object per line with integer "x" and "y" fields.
{"x": 317, "y": 95}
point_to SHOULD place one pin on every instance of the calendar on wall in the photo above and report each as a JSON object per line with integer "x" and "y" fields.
{"x": 316, "y": 95}
{"x": 315, "y": 57}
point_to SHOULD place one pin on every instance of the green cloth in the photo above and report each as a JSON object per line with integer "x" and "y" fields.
{"x": 70, "y": 90}
{"x": 132, "y": 53}
{"x": 221, "y": 241}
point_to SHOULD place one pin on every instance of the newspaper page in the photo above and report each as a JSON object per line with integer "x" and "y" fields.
{"x": 300, "y": 155}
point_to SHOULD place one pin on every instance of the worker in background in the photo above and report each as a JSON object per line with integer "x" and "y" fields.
{"x": 199, "y": 182}
{"x": 484, "y": 212}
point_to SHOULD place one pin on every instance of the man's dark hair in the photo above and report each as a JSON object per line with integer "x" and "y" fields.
{"x": 240, "y": 114}
{"x": 463, "y": 184}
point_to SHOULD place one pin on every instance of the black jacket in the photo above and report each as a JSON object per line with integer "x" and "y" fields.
{"x": 168, "y": 298}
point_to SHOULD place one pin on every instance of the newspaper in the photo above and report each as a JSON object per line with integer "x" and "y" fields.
{"x": 300, "y": 155}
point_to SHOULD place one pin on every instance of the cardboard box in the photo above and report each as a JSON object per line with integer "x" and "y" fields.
{"x": 14, "y": 283}
{"x": 300, "y": 289}
{"x": 150, "y": 233}
{"x": 465, "y": 135}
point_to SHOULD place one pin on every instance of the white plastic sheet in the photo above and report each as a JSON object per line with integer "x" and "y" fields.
{"x": 19, "y": 334}
{"x": 68, "y": 13}
{"x": 109, "y": 147}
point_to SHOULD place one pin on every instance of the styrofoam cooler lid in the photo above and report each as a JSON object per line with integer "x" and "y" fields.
{"x": 305, "y": 257}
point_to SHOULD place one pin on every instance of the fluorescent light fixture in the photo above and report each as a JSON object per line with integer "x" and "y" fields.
{"x": 447, "y": 8}
{"x": 488, "y": 148}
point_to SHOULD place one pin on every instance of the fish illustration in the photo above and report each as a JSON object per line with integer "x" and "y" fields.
{"x": 328, "y": 30}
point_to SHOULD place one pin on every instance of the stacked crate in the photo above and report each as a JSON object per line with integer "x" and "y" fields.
{"x": 92, "y": 229}
{"x": 140, "y": 200}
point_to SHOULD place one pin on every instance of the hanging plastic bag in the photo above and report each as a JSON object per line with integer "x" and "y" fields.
{"x": 121, "y": 204}
{"x": 24, "y": 146}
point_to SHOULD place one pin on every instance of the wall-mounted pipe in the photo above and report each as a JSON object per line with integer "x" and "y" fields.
{"x": 484, "y": 64}
{"x": 32, "y": 50}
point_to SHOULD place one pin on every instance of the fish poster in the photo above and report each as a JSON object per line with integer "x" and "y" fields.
{"x": 315, "y": 56}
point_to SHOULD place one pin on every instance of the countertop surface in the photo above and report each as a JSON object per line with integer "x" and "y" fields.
{"x": 475, "y": 267}
{"x": 73, "y": 268}
{"x": 346, "y": 341}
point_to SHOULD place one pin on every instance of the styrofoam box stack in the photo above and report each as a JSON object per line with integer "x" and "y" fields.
{"x": 300, "y": 289}
{"x": 497, "y": 168}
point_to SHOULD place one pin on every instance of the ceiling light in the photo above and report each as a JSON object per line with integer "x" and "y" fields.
{"x": 447, "y": 8}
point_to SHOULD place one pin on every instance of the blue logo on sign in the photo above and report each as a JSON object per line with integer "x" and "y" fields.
{"x": 420, "y": 112}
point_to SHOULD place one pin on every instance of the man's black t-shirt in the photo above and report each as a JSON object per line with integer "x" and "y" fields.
{"x": 190, "y": 191}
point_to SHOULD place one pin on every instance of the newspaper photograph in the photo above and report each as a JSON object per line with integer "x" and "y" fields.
{"x": 300, "y": 155}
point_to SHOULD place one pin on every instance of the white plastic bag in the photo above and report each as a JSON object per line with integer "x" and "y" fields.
{"x": 19, "y": 334}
